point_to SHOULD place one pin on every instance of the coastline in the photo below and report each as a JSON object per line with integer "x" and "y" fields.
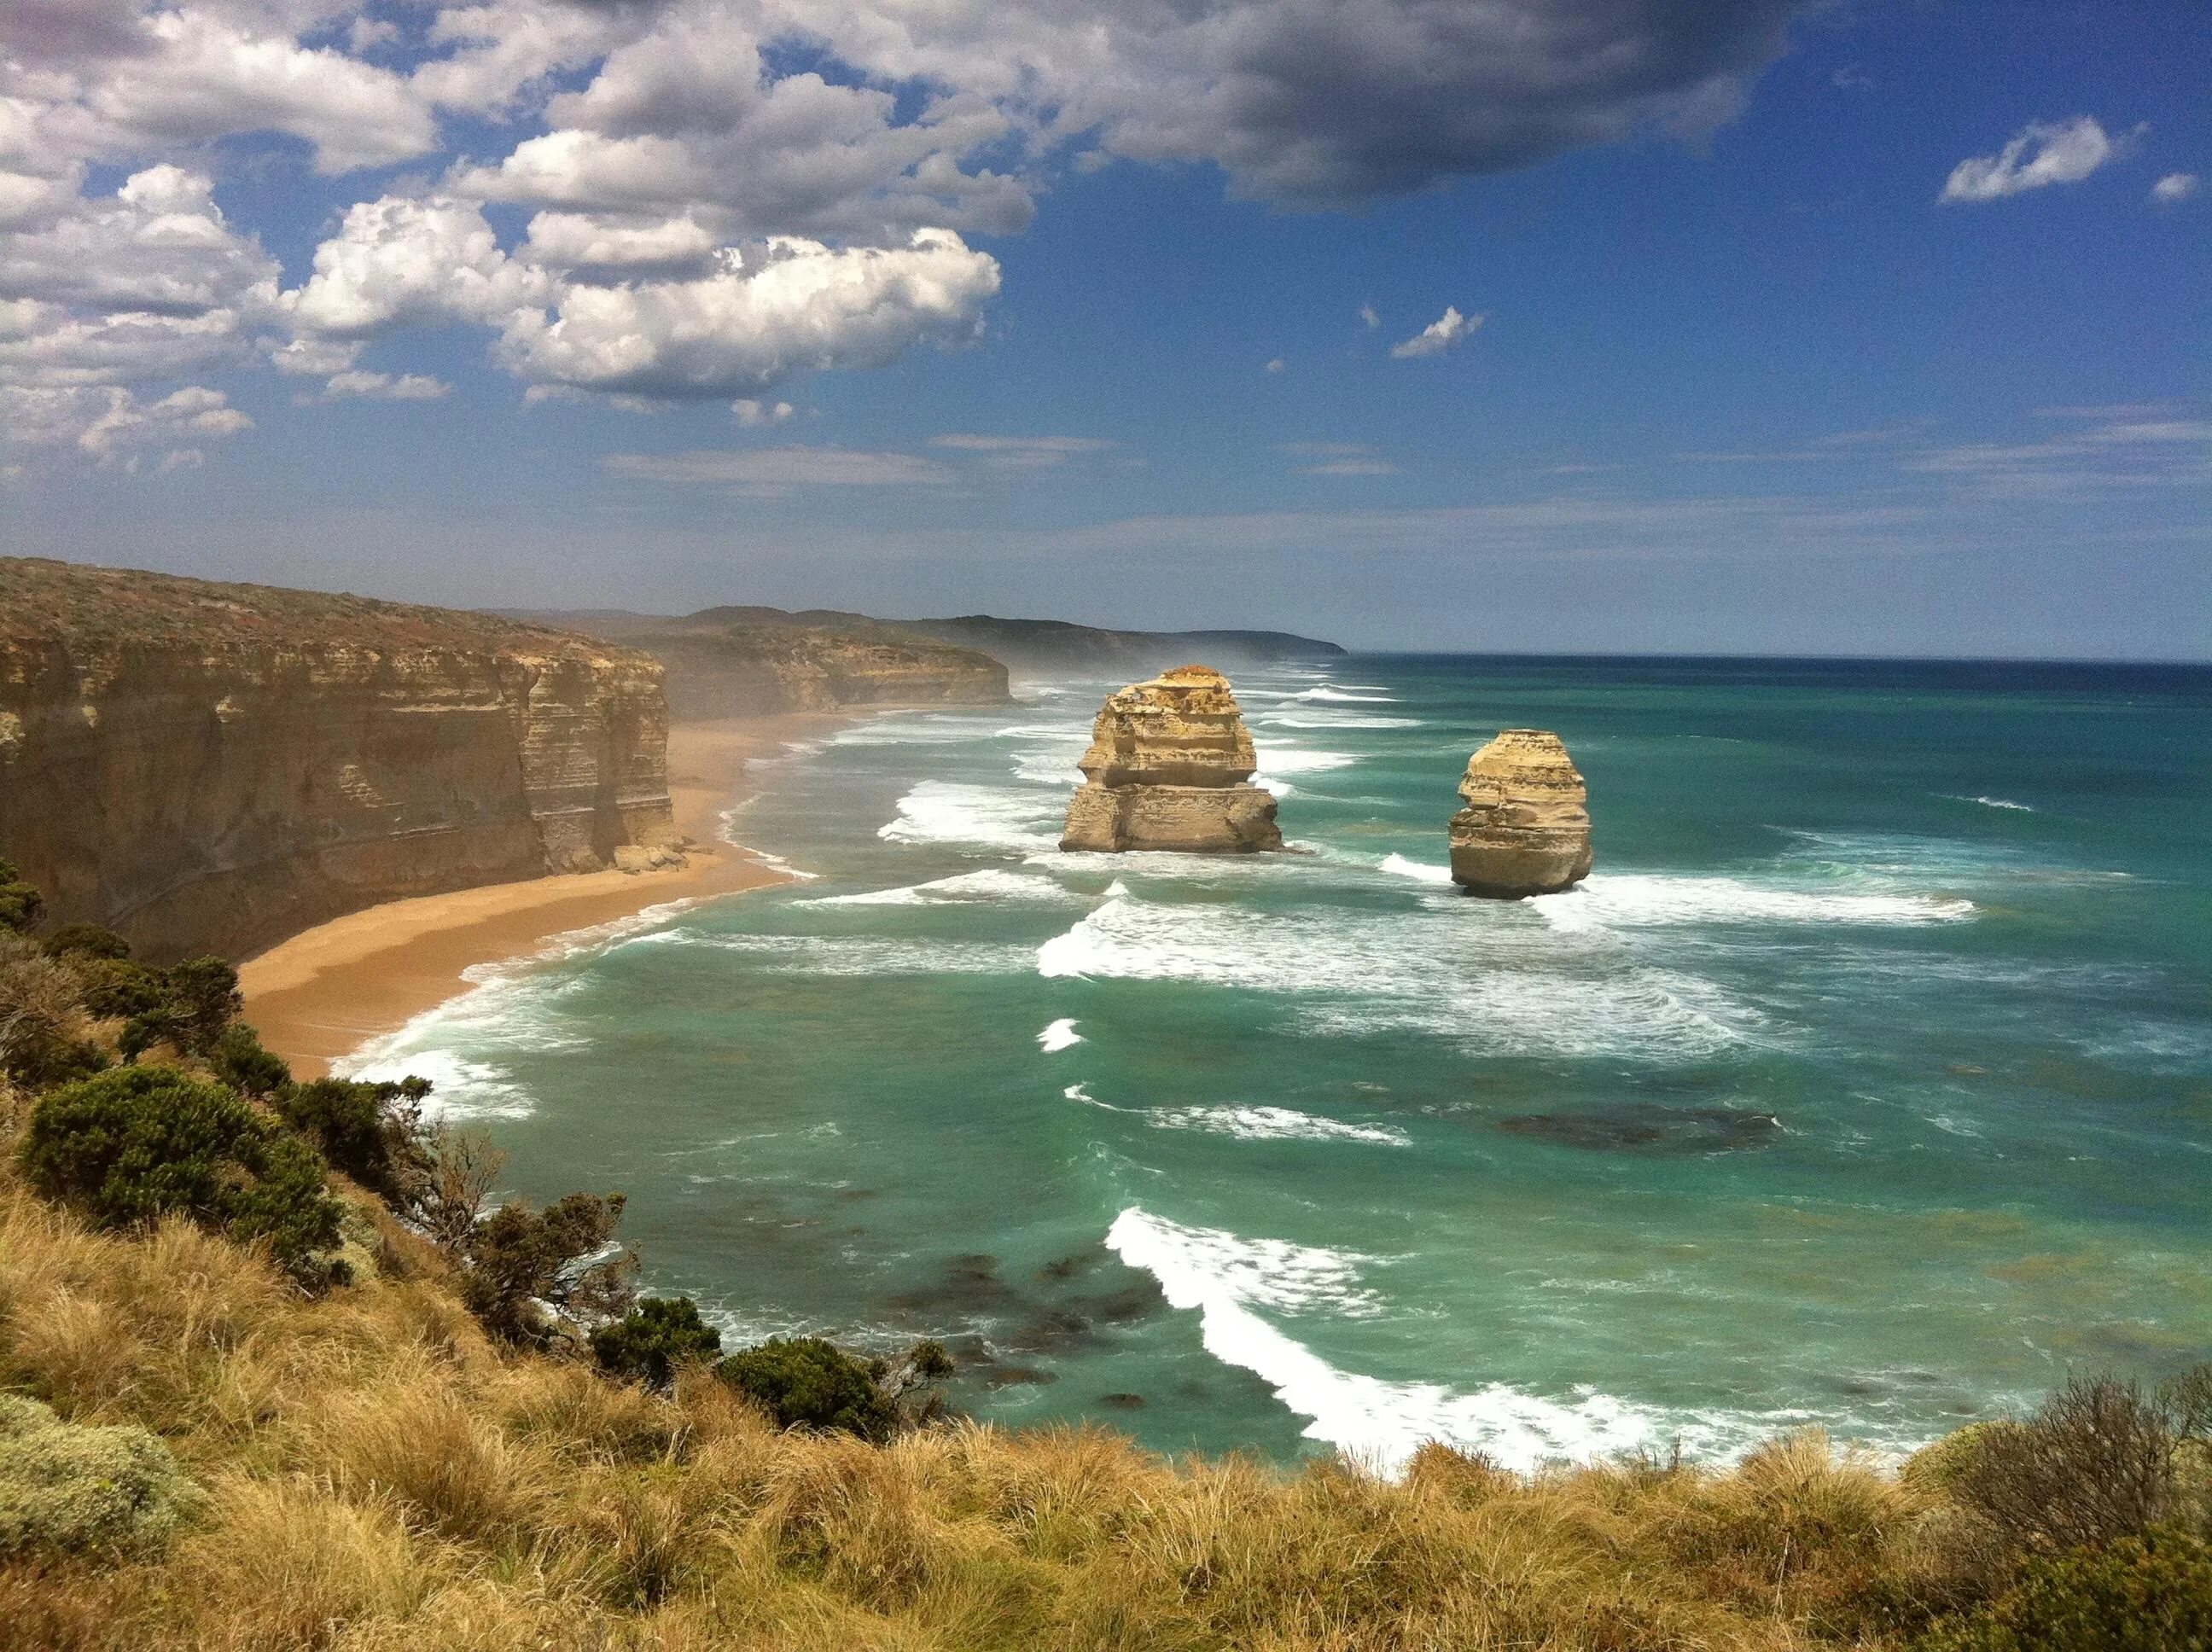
{"x": 318, "y": 995}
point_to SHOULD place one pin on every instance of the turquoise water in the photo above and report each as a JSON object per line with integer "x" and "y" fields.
{"x": 1867, "y": 1081}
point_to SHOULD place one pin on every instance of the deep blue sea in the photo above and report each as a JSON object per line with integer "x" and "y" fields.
{"x": 1867, "y": 1082}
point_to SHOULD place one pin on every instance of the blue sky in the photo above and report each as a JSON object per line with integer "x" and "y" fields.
{"x": 1729, "y": 327}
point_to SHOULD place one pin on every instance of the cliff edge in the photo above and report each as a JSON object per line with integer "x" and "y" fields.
{"x": 1167, "y": 769}
{"x": 211, "y": 767}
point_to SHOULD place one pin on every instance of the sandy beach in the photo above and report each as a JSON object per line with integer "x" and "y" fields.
{"x": 323, "y": 992}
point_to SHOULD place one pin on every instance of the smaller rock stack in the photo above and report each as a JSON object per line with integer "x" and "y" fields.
{"x": 1167, "y": 769}
{"x": 1526, "y": 827}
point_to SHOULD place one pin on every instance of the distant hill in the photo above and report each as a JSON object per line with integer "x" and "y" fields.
{"x": 1032, "y": 646}
{"x": 750, "y": 662}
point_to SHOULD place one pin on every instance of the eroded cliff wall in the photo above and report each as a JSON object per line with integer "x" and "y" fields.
{"x": 210, "y": 767}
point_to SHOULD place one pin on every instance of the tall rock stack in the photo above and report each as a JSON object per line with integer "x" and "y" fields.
{"x": 1169, "y": 767}
{"x": 1526, "y": 827}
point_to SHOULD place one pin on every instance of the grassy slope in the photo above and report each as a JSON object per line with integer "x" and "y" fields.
{"x": 381, "y": 1476}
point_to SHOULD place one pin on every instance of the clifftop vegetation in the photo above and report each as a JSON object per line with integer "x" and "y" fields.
{"x": 274, "y": 1376}
{"x": 87, "y": 609}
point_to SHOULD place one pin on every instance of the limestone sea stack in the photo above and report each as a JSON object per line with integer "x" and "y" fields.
{"x": 1526, "y": 827}
{"x": 1169, "y": 767}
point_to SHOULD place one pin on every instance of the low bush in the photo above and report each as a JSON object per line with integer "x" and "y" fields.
{"x": 115, "y": 989}
{"x": 69, "y": 1489}
{"x": 203, "y": 1000}
{"x": 132, "y": 1145}
{"x": 240, "y": 1061}
{"x": 2096, "y": 1464}
{"x": 649, "y": 1343}
{"x": 2150, "y": 1593}
{"x": 371, "y": 1130}
{"x": 808, "y": 1383}
{"x": 88, "y": 941}
{"x": 523, "y": 1263}
{"x": 20, "y": 904}
{"x": 42, "y": 1028}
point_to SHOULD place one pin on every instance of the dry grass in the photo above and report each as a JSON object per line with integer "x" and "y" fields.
{"x": 379, "y": 1477}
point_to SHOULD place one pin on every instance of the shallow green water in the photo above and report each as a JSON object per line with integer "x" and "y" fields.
{"x": 1868, "y": 1080}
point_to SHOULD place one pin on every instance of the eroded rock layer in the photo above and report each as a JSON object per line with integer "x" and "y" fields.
{"x": 1167, "y": 769}
{"x": 1526, "y": 827}
{"x": 209, "y": 768}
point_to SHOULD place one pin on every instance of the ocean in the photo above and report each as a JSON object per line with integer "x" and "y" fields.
{"x": 1867, "y": 1082}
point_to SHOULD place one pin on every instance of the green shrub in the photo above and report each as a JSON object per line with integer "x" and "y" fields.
{"x": 519, "y": 1259}
{"x": 240, "y": 1061}
{"x": 204, "y": 998}
{"x": 2151, "y": 1593}
{"x": 20, "y": 904}
{"x": 806, "y": 1382}
{"x": 86, "y": 941}
{"x": 655, "y": 1338}
{"x": 68, "y": 1489}
{"x": 135, "y": 1144}
{"x": 115, "y": 989}
{"x": 371, "y": 1130}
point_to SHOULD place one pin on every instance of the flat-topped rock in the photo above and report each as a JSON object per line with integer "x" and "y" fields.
{"x": 1526, "y": 827}
{"x": 1169, "y": 767}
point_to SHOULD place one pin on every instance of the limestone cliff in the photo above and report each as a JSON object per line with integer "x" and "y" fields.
{"x": 1167, "y": 768}
{"x": 209, "y": 768}
{"x": 750, "y": 662}
{"x": 1526, "y": 827}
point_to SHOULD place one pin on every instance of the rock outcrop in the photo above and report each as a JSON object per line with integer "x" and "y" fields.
{"x": 1526, "y": 827}
{"x": 1169, "y": 767}
{"x": 209, "y": 768}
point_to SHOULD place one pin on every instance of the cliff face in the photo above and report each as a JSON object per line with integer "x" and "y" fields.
{"x": 1166, "y": 769}
{"x": 209, "y": 768}
{"x": 1526, "y": 828}
{"x": 752, "y": 662}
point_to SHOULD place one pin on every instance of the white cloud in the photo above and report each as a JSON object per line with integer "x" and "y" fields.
{"x": 1342, "y": 459}
{"x": 1446, "y": 331}
{"x": 2174, "y": 188}
{"x": 1022, "y": 452}
{"x": 396, "y": 260}
{"x": 385, "y": 386}
{"x": 777, "y": 468}
{"x": 1276, "y": 365}
{"x": 1368, "y": 315}
{"x": 753, "y": 415}
{"x": 2119, "y": 449}
{"x": 2042, "y": 154}
{"x": 109, "y": 424}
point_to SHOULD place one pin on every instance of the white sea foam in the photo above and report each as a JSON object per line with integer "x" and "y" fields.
{"x": 1061, "y": 1036}
{"x": 460, "y": 1088}
{"x": 777, "y": 863}
{"x": 996, "y": 817}
{"x": 843, "y": 956}
{"x": 1485, "y": 977}
{"x": 1401, "y": 866}
{"x": 1995, "y": 803}
{"x": 1277, "y": 758}
{"x": 1320, "y": 718}
{"x": 1273, "y": 1124}
{"x": 1329, "y": 691}
{"x": 1227, "y": 1279}
{"x": 1630, "y": 900}
{"x": 990, "y": 886}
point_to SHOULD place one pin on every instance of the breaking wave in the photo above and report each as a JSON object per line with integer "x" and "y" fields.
{"x": 1227, "y": 1280}
{"x": 1628, "y": 900}
{"x": 990, "y": 884}
{"x": 1273, "y": 1124}
{"x": 1061, "y": 1036}
{"x": 993, "y": 817}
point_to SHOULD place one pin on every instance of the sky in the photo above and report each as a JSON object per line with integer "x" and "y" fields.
{"x": 1735, "y": 326}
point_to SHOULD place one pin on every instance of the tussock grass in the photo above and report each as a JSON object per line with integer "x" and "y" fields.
{"x": 377, "y": 1475}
